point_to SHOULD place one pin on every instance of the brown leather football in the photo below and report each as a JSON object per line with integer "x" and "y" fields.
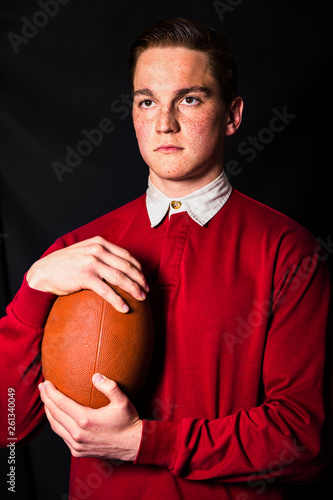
{"x": 84, "y": 334}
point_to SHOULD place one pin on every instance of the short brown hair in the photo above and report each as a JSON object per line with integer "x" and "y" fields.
{"x": 183, "y": 32}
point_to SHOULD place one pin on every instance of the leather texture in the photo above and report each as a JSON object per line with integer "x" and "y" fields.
{"x": 84, "y": 334}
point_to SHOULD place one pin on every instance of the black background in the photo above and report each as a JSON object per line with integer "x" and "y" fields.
{"x": 69, "y": 73}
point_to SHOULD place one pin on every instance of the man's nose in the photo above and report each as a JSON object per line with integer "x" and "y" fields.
{"x": 167, "y": 121}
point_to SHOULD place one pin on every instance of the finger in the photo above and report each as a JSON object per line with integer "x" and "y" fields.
{"x": 107, "y": 293}
{"x": 111, "y": 248}
{"x": 64, "y": 430}
{"x": 122, "y": 272}
{"x": 109, "y": 388}
{"x": 59, "y": 429}
{"x": 117, "y": 268}
{"x": 76, "y": 446}
{"x": 123, "y": 254}
{"x": 62, "y": 408}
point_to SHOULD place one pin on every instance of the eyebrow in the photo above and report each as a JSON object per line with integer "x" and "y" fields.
{"x": 178, "y": 93}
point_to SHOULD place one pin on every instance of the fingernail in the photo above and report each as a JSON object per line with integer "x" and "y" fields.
{"x": 143, "y": 295}
{"x": 125, "y": 308}
{"x": 40, "y": 386}
{"x": 147, "y": 288}
{"x": 98, "y": 378}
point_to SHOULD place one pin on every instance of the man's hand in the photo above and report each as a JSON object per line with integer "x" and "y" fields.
{"x": 111, "y": 432}
{"x": 85, "y": 265}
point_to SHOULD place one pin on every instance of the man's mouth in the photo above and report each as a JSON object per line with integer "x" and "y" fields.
{"x": 168, "y": 148}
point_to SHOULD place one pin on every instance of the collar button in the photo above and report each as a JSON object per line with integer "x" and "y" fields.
{"x": 176, "y": 204}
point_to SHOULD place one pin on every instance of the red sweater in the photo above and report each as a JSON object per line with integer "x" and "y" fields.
{"x": 233, "y": 404}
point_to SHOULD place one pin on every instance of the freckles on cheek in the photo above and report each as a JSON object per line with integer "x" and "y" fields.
{"x": 142, "y": 131}
{"x": 146, "y": 147}
{"x": 201, "y": 132}
{"x": 201, "y": 123}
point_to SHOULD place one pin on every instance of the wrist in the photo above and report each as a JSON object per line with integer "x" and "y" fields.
{"x": 32, "y": 306}
{"x": 134, "y": 437}
{"x": 159, "y": 443}
{"x": 34, "y": 280}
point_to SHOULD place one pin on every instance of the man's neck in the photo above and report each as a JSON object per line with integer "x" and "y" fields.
{"x": 184, "y": 187}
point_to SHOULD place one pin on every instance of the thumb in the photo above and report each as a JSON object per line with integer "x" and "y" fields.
{"x": 108, "y": 387}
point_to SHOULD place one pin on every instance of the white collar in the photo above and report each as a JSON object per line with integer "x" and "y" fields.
{"x": 201, "y": 205}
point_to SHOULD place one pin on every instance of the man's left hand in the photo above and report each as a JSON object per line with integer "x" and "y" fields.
{"x": 111, "y": 432}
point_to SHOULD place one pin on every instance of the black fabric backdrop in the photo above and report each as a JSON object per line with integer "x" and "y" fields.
{"x": 64, "y": 76}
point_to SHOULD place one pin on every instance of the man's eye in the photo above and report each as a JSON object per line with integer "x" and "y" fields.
{"x": 190, "y": 100}
{"x": 147, "y": 103}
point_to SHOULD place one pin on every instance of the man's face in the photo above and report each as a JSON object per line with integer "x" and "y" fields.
{"x": 179, "y": 118}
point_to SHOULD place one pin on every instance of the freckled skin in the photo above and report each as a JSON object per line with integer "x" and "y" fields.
{"x": 196, "y": 123}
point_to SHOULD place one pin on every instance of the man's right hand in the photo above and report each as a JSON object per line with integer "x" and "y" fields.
{"x": 85, "y": 265}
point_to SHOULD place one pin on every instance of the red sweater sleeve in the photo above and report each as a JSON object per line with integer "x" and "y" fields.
{"x": 282, "y": 438}
{"x": 21, "y": 332}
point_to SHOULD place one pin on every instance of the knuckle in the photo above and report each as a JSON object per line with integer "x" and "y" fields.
{"x": 77, "y": 437}
{"x": 113, "y": 386}
{"x": 97, "y": 239}
{"x": 119, "y": 275}
{"x": 121, "y": 251}
{"x": 127, "y": 264}
{"x": 83, "y": 422}
{"x": 76, "y": 450}
{"x": 90, "y": 261}
{"x": 95, "y": 249}
{"x": 126, "y": 254}
{"x": 135, "y": 287}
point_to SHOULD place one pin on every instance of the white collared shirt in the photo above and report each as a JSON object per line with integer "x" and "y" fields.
{"x": 201, "y": 205}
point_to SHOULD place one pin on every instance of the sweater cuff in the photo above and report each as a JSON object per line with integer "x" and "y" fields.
{"x": 32, "y": 306}
{"x": 158, "y": 444}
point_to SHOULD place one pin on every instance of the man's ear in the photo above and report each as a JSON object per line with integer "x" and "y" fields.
{"x": 235, "y": 116}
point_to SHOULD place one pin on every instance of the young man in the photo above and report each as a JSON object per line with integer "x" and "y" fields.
{"x": 233, "y": 406}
